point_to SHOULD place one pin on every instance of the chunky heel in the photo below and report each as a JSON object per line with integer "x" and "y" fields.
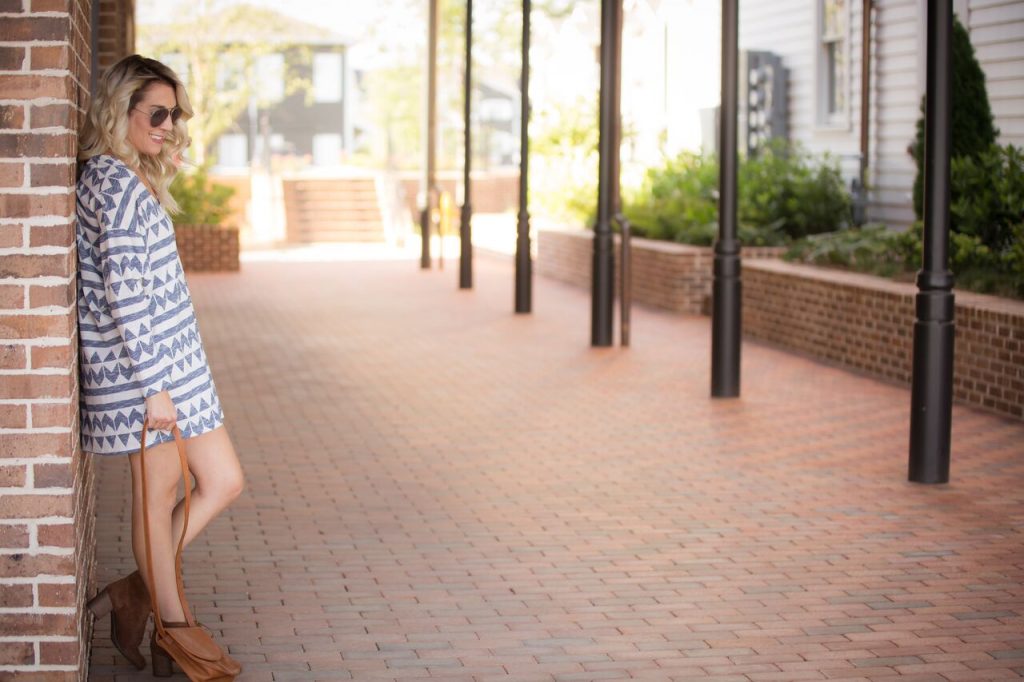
{"x": 100, "y": 605}
{"x": 161, "y": 660}
{"x": 127, "y": 602}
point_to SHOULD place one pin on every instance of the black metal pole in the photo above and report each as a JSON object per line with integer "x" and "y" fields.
{"x": 465, "y": 231}
{"x": 931, "y": 398}
{"x": 602, "y": 294}
{"x": 626, "y": 275}
{"x": 524, "y": 265}
{"x": 727, "y": 287}
{"x": 429, "y": 193}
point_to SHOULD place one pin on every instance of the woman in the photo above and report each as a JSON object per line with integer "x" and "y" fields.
{"x": 141, "y": 353}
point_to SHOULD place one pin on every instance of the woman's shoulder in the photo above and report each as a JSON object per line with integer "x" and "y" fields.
{"x": 103, "y": 166}
{"x": 107, "y": 175}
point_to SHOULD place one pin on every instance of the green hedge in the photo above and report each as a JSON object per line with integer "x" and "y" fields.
{"x": 784, "y": 194}
{"x": 986, "y": 245}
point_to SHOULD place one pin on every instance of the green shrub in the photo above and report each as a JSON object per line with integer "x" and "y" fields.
{"x": 783, "y": 194}
{"x": 989, "y": 201}
{"x": 973, "y": 126}
{"x": 873, "y": 249}
{"x": 979, "y": 268}
{"x": 677, "y": 201}
{"x": 986, "y": 245}
{"x": 200, "y": 201}
{"x": 880, "y": 251}
{"x": 802, "y": 194}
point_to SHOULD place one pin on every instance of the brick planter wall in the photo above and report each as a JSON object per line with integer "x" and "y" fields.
{"x": 867, "y": 323}
{"x": 207, "y": 248}
{"x": 47, "y": 520}
{"x": 858, "y": 321}
{"x": 665, "y": 275}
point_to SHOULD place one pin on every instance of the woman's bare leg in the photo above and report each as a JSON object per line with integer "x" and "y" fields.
{"x": 219, "y": 481}
{"x": 163, "y": 471}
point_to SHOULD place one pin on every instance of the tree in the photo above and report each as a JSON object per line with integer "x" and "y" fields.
{"x": 216, "y": 49}
{"x": 974, "y": 131}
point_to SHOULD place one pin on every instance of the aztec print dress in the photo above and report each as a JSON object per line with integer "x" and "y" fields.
{"x": 138, "y": 331}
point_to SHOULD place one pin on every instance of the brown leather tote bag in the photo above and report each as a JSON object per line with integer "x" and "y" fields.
{"x": 188, "y": 643}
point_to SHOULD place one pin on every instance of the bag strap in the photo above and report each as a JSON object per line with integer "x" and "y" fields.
{"x": 180, "y": 442}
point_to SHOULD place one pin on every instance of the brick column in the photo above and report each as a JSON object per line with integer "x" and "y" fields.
{"x": 47, "y": 546}
{"x": 116, "y": 31}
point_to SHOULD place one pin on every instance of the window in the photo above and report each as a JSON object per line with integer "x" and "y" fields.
{"x": 833, "y": 62}
{"x": 327, "y": 77}
{"x": 233, "y": 151}
{"x": 270, "y": 77}
{"x": 326, "y": 149}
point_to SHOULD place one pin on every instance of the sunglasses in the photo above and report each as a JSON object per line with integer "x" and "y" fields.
{"x": 159, "y": 114}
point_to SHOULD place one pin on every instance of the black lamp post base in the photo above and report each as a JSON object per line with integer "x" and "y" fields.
{"x": 524, "y": 265}
{"x": 425, "y": 238}
{"x": 931, "y": 400}
{"x": 466, "y": 249}
{"x": 726, "y": 324}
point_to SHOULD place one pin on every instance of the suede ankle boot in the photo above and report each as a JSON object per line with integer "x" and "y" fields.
{"x": 127, "y": 602}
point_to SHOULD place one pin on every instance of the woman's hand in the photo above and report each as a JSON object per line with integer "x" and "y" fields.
{"x": 161, "y": 412}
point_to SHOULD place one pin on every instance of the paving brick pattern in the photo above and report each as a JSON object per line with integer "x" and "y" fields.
{"x": 207, "y": 248}
{"x": 440, "y": 488}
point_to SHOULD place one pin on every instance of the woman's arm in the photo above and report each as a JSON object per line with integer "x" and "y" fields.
{"x": 124, "y": 258}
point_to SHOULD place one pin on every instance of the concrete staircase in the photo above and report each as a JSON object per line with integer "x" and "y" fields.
{"x": 333, "y": 210}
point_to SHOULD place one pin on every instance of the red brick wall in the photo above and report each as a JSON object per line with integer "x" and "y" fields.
{"x": 116, "y": 31}
{"x": 867, "y": 323}
{"x": 47, "y": 542}
{"x": 665, "y": 275}
{"x": 207, "y": 248}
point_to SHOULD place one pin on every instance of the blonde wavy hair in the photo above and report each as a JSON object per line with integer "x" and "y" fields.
{"x": 120, "y": 89}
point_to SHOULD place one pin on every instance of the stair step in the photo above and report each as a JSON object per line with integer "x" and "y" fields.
{"x": 344, "y": 210}
{"x": 338, "y": 237}
{"x": 308, "y": 207}
{"x": 331, "y": 191}
{"x": 313, "y": 216}
{"x": 339, "y": 227}
{"x": 336, "y": 191}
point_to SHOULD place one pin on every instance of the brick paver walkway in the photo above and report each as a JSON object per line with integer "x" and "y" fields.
{"x": 440, "y": 488}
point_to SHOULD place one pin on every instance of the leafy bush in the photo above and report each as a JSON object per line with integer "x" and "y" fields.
{"x": 986, "y": 244}
{"x": 200, "y": 201}
{"x": 677, "y": 202}
{"x": 783, "y": 194}
{"x": 973, "y": 126}
{"x": 879, "y": 251}
{"x": 989, "y": 201}
{"x": 873, "y": 249}
{"x": 785, "y": 185}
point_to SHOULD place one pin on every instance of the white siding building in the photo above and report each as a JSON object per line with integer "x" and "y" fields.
{"x": 820, "y": 42}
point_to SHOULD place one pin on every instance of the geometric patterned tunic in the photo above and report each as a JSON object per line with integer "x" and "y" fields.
{"x": 137, "y": 328}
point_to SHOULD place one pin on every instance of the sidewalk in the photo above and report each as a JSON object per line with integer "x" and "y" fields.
{"x": 440, "y": 488}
